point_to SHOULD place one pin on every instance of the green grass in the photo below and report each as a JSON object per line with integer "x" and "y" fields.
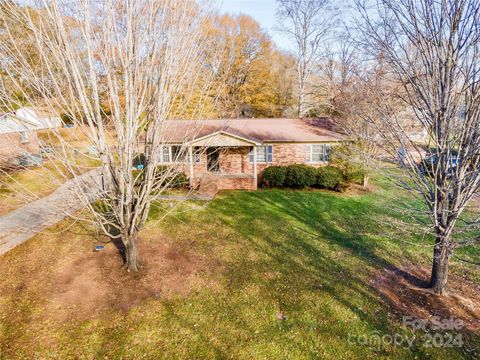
{"x": 24, "y": 185}
{"x": 307, "y": 254}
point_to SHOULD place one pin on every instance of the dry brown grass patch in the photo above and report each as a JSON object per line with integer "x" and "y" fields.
{"x": 78, "y": 283}
{"x": 405, "y": 289}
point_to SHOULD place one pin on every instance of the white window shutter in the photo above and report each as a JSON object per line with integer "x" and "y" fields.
{"x": 328, "y": 151}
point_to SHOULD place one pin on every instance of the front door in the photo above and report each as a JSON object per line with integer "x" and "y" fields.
{"x": 213, "y": 164}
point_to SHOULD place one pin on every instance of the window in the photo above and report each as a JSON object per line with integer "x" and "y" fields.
{"x": 169, "y": 154}
{"x": 318, "y": 153}
{"x": 23, "y": 137}
{"x": 264, "y": 154}
{"x": 196, "y": 154}
{"x": 165, "y": 154}
{"x": 179, "y": 154}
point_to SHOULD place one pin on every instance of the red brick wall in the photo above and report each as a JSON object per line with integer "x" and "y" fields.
{"x": 236, "y": 161}
{"x": 231, "y": 161}
{"x": 284, "y": 154}
{"x": 201, "y": 166}
{"x": 11, "y": 146}
{"x": 211, "y": 183}
{"x": 225, "y": 183}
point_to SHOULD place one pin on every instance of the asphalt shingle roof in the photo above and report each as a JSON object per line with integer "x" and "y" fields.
{"x": 257, "y": 130}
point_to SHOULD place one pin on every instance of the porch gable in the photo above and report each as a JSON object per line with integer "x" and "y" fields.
{"x": 221, "y": 139}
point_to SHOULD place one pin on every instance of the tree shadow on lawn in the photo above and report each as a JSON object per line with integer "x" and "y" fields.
{"x": 406, "y": 292}
{"x": 321, "y": 243}
{"x": 293, "y": 248}
{"x": 309, "y": 255}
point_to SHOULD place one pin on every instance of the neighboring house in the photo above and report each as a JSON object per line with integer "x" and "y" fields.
{"x": 42, "y": 117}
{"x": 232, "y": 153}
{"x": 415, "y": 132}
{"x": 18, "y": 136}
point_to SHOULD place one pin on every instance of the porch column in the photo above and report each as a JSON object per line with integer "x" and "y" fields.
{"x": 255, "y": 162}
{"x": 190, "y": 161}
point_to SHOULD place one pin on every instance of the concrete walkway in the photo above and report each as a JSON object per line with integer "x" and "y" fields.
{"x": 199, "y": 196}
{"x": 24, "y": 223}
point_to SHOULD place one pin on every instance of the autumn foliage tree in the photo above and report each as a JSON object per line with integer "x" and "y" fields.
{"x": 120, "y": 71}
{"x": 253, "y": 76}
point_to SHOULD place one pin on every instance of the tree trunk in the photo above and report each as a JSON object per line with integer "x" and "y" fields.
{"x": 131, "y": 253}
{"x": 366, "y": 178}
{"x": 301, "y": 92}
{"x": 300, "y": 104}
{"x": 439, "y": 277}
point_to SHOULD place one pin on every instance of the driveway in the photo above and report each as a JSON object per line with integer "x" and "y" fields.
{"x": 22, "y": 224}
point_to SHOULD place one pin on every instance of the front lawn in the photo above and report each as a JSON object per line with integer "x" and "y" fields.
{"x": 272, "y": 274}
{"x": 22, "y": 186}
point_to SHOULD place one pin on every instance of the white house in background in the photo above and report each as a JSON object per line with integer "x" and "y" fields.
{"x": 412, "y": 127}
{"x": 43, "y": 118}
{"x": 18, "y": 136}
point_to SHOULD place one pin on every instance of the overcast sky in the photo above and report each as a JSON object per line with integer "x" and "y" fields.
{"x": 261, "y": 10}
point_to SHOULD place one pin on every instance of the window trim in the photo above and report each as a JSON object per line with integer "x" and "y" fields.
{"x": 162, "y": 154}
{"x": 325, "y": 154}
{"x": 195, "y": 154}
{"x": 268, "y": 154}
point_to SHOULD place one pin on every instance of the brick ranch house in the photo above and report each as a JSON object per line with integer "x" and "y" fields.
{"x": 18, "y": 136}
{"x": 231, "y": 154}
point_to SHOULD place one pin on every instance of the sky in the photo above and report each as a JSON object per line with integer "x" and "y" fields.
{"x": 261, "y": 10}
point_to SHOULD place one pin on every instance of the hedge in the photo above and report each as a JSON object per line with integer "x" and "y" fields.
{"x": 329, "y": 177}
{"x": 300, "y": 176}
{"x": 274, "y": 176}
{"x": 173, "y": 180}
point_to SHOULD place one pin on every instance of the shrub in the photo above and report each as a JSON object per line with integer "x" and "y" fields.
{"x": 329, "y": 177}
{"x": 300, "y": 176}
{"x": 345, "y": 158}
{"x": 179, "y": 180}
{"x": 274, "y": 176}
{"x": 174, "y": 179}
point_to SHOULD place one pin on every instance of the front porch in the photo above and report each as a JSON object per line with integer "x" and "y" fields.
{"x": 223, "y": 168}
{"x": 211, "y": 183}
{"x": 223, "y": 162}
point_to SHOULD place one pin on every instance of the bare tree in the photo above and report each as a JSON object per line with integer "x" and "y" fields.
{"x": 352, "y": 89}
{"x": 337, "y": 73}
{"x": 119, "y": 71}
{"x": 307, "y": 22}
{"x": 431, "y": 49}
